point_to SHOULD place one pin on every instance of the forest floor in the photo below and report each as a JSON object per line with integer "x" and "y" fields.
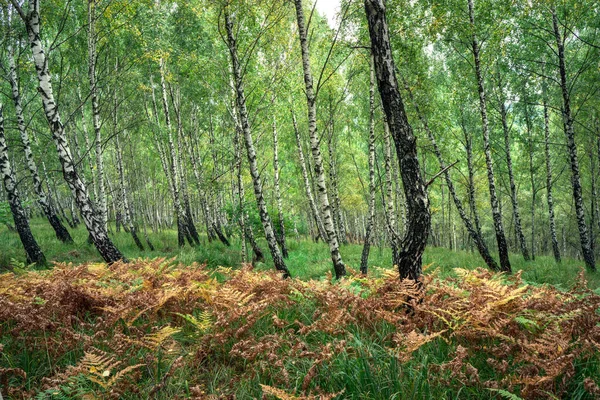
{"x": 308, "y": 260}
{"x": 203, "y": 326}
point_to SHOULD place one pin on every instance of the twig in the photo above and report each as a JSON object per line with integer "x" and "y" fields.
{"x": 440, "y": 173}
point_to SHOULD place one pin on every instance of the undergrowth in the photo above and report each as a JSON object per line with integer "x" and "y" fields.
{"x": 161, "y": 329}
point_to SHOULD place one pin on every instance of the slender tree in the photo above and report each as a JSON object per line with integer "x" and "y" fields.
{"x": 496, "y": 213}
{"x": 419, "y": 216}
{"x": 325, "y": 206}
{"x": 251, "y": 151}
{"x": 586, "y": 249}
{"x": 371, "y": 212}
{"x": 281, "y": 236}
{"x": 511, "y": 176}
{"x": 61, "y": 232}
{"x": 98, "y": 233}
{"x": 101, "y": 201}
{"x": 550, "y": 198}
{"x": 306, "y": 179}
{"x": 472, "y": 230}
{"x": 32, "y": 249}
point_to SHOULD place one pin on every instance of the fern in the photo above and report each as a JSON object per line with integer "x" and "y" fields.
{"x": 506, "y": 394}
{"x": 154, "y": 340}
{"x": 104, "y": 370}
{"x": 202, "y": 323}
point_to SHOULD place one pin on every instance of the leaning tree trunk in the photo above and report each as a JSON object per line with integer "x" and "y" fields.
{"x": 101, "y": 199}
{"x": 281, "y": 236}
{"x": 245, "y": 125}
{"x": 364, "y": 259}
{"x": 328, "y": 223}
{"x": 511, "y": 177}
{"x": 473, "y": 232}
{"x": 496, "y": 213}
{"x": 32, "y": 249}
{"x": 307, "y": 186}
{"x": 586, "y": 249}
{"x": 60, "y": 230}
{"x": 419, "y": 216}
{"x": 555, "y": 246}
{"x": 98, "y": 234}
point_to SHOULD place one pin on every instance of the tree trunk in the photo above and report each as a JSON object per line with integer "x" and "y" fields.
{"x": 471, "y": 178}
{"x": 511, "y": 177}
{"x": 593, "y": 205}
{"x": 61, "y": 232}
{"x": 328, "y": 225}
{"x": 127, "y": 216}
{"x": 99, "y": 235}
{"x": 101, "y": 199}
{"x": 473, "y": 232}
{"x": 531, "y": 174}
{"x": 391, "y": 214}
{"x": 588, "y": 254}
{"x": 32, "y": 249}
{"x": 192, "y": 231}
{"x": 555, "y": 246}
{"x": 496, "y": 213}
{"x": 307, "y": 186}
{"x": 281, "y": 236}
{"x": 247, "y": 232}
{"x": 245, "y": 125}
{"x": 364, "y": 259}
{"x": 419, "y": 216}
{"x": 182, "y": 228}
{"x": 336, "y": 204}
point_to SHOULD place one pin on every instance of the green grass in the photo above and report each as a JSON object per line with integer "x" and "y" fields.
{"x": 308, "y": 260}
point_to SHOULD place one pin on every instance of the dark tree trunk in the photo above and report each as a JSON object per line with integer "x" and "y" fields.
{"x": 32, "y": 249}
{"x": 419, "y": 216}
{"x": 588, "y": 254}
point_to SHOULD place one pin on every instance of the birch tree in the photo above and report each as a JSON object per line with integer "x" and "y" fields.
{"x": 32, "y": 249}
{"x": 419, "y": 217}
{"x": 98, "y": 233}
{"x": 251, "y": 151}
{"x": 325, "y": 207}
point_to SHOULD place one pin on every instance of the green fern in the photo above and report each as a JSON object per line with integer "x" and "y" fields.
{"x": 506, "y": 394}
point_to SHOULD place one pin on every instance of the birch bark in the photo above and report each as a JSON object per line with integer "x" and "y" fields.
{"x": 32, "y": 249}
{"x": 326, "y": 212}
{"x": 98, "y": 234}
